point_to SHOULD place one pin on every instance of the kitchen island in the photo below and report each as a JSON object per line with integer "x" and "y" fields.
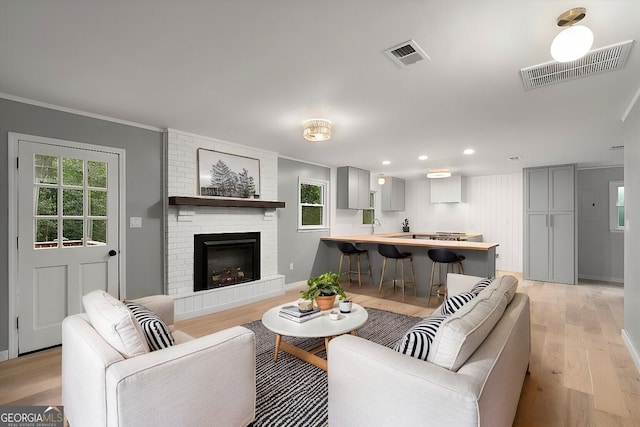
{"x": 480, "y": 257}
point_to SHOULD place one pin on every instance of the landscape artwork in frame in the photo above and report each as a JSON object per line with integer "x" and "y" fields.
{"x": 228, "y": 175}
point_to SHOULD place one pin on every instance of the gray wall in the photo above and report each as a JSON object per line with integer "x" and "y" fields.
{"x": 600, "y": 251}
{"x": 144, "y": 181}
{"x": 304, "y": 249}
{"x": 632, "y": 232}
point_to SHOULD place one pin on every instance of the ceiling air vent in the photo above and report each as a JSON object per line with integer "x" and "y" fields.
{"x": 597, "y": 61}
{"x": 406, "y": 53}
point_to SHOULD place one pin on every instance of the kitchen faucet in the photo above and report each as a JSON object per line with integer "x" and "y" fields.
{"x": 375, "y": 222}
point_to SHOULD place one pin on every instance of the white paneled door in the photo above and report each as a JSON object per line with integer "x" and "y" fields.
{"x": 68, "y": 235}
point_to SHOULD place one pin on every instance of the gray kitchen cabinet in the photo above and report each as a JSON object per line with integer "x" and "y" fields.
{"x": 447, "y": 190}
{"x": 550, "y": 224}
{"x": 393, "y": 194}
{"x": 353, "y": 188}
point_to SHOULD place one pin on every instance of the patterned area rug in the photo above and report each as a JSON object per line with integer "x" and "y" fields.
{"x": 291, "y": 392}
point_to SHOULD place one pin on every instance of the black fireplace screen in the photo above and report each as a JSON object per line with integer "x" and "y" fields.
{"x": 225, "y": 259}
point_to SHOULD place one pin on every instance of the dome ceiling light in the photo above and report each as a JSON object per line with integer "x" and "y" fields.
{"x": 316, "y": 129}
{"x": 381, "y": 179}
{"x": 574, "y": 41}
{"x": 438, "y": 173}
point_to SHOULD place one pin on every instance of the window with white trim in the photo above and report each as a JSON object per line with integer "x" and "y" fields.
{"x": 616, "y": 206}
{"x": 312, "y": 204}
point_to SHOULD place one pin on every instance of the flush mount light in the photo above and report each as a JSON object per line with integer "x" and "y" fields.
{"x": 423, "y": 157}
{"x": 438, "y": 173}
{"x": 386, "y": 162}
{"x": 381, "y": 179}
{"x": 574, "y": 41}
{"x": 469, "y": 151}
{"x": 514, "y": 158}
{"x": 316, "y": 129}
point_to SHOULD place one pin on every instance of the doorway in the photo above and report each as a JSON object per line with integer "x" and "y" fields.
{"x": 67, "y": 202}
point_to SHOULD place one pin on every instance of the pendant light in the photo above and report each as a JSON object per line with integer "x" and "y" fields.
{"x": 574, "y": 41}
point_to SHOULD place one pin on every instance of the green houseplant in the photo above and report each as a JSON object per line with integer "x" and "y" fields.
{"x": 323, "y": 289}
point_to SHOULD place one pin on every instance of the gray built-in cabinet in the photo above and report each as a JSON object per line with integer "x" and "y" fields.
{"x": 353, "y": 188}
{"x": 393, "y": 194}
{"x": 550, "y": 224}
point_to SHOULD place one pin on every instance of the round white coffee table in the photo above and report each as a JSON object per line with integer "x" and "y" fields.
{"x": 319, "y": 327}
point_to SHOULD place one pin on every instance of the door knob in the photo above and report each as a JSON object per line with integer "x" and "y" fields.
{"x": 113, "y": 253}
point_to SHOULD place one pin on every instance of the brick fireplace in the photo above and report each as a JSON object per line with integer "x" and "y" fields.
{"x": 184, "y": 222}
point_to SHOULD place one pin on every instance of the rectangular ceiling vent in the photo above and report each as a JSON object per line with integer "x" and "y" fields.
{"x": 406, "y": 53}
{"x": 597, "y": 61}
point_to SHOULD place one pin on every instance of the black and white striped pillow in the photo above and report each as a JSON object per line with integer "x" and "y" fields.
{"x": 416, "y": 342}
{"x": 481, "y": 285}
{"x": 455, "y": 302}
{"x": 155, "y": 330}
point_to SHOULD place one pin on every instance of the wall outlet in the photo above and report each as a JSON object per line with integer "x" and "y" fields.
{"x": 291, "y": 266}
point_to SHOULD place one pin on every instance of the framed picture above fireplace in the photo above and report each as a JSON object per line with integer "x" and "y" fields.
{"x": 227, "y": 175}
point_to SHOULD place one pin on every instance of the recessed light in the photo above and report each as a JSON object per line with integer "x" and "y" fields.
{"x": 386, "y": 162}
{"x": 423, "y": 157}
{"x": 514, "y": 158}
{"x": 469, "y": 151}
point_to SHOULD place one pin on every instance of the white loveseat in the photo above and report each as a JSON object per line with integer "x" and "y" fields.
{"x": 372, "y": 385}
{"x": 196, "y": 382}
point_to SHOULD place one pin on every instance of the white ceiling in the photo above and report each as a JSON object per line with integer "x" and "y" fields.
{"x": 251, "y": 71}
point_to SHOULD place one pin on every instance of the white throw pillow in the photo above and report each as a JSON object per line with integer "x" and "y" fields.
{"x": 115, "y": 323}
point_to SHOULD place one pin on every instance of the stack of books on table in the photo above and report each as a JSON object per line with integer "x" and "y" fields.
{"x": 291, "y": 312}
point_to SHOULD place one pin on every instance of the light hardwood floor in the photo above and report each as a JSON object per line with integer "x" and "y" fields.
{"x": 581, "y": 372}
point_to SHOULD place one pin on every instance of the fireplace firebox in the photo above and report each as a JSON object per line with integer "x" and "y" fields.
{"x": 225, "y": 259}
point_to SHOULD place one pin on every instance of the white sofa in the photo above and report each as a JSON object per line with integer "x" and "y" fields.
{"x": 196, "y": 382}
{"x": 372, "y": 385}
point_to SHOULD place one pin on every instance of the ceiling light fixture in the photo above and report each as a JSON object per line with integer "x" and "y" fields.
{"x": 381, "y": 179}
{"x": 386, "y": 162}
{"x": 423, "y": 157}
{"x": 316, "y": 129}
{"x": 574, "y": 41}
{"x": 438, "y": 173}
{"x": 469, "y": 151}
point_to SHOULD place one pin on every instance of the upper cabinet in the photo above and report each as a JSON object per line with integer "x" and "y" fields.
{"x": 393, "y": 194}
{"x": 447, "y": 190}
{"x": 353, "y": 188}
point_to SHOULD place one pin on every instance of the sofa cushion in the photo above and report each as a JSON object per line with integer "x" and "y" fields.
{"x": 416, "y": 342}
{"x": 481, "y": 285}
{"x": 155, "y": 330}
{"x": 460, "y": 334}
{"x": 115, "y": 323}
{"x": 455, "y": 302}
{"x": 506, "y": 284}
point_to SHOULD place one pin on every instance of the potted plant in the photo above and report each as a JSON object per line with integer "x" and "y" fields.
{"x": 323, "y": 289}
{"x": 405, "y": 225}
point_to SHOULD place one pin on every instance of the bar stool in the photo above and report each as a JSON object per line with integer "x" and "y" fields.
{"x": 348, "y": 250}
{"x": 391, "y": 252}
{"x": 444, "y": 256}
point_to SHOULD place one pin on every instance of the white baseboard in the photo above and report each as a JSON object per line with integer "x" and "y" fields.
{"x": 601, "y": 278}
{"x": 635, "y": 354}
{"x": 295, "y": 285}
{"x": 4, "y": 355}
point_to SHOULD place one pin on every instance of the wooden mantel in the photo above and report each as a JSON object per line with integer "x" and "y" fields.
{"x": 223, "y": 202}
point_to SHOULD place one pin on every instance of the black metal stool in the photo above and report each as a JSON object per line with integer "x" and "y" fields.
{"x": 444, "y": 256}
{"x": 391, "y": 252}
{"x": 348, "y": 250}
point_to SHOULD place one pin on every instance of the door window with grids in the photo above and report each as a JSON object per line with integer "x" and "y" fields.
{"x": 70, "y": 202}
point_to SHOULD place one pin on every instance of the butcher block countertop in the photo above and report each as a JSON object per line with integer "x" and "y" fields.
{"x": 407, "y": 239}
